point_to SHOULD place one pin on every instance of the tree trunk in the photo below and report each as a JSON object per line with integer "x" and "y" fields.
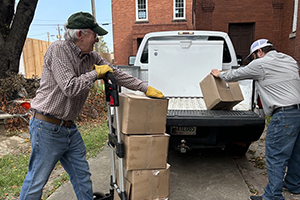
{"x": 14, "y": 29}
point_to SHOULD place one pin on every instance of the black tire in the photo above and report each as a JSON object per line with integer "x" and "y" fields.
{"x": 98, "y": 195}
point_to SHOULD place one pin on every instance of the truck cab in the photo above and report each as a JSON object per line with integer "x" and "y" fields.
{"x": 175, "y": 62}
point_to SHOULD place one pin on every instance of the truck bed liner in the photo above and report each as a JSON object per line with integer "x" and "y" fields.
{"x": 208, "y": 118}
{"x": 215, "y": 127}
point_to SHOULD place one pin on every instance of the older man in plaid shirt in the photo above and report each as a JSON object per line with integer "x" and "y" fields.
{"x": 70, "y": 69}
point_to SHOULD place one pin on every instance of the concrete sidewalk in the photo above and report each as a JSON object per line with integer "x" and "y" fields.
{"x": 192, "y": 177}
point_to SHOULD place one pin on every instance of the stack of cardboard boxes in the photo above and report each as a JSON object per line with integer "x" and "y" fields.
{"x": 142, "y": 123}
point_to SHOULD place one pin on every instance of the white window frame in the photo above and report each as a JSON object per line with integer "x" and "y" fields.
{"x": 175, "y": 8}
{"x": 295, "y": 17}
{"x": 137, "y": 11}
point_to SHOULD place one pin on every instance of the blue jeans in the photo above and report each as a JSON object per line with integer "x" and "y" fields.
{"x": 283, "y": 152}
{"x": 52, "y": 143}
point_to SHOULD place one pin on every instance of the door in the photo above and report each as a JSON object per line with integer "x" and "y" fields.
{"x": 242, "y": 36}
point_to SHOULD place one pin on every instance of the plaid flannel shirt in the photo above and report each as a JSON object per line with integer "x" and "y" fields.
{"x": 67, "y": 79}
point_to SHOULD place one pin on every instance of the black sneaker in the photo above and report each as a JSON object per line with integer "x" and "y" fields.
{"x": 256, "y": 198}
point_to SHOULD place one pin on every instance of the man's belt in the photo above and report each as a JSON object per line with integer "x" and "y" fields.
{"x": 286, "y": 108}
{"x": 52, "y": 120}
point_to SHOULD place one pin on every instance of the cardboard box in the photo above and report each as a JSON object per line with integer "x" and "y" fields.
{"x": 142, "y": 115}
{"x": 149, "y": 184}
{"x": 145, "y": 151}
{"x": 146, "y": 184}
{"x": 219, "y": 95}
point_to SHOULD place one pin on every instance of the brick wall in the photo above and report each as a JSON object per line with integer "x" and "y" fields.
{"x": 290, "y": 45}
{"x": 297, "y": 40}
{"x": 272, "y": 19}
{"x": 238, "y": 11}
{"x": 123, "y": 15}
{"x": 126, "y": 30}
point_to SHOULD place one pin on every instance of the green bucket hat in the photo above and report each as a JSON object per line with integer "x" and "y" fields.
{"x": 83, "y": 20}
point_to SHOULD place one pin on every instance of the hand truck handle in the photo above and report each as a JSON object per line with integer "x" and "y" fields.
{"x": 111, "y": 90}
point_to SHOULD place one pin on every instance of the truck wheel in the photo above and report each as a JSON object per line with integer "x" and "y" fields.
{"x": 237, "y": 149}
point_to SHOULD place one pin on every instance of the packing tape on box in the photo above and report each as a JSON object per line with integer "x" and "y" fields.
{"x": 149, "y": 144}
{"x": 155, "y": 183}
{"x": 149, "y": 116}
{"x": 154, "y": 180}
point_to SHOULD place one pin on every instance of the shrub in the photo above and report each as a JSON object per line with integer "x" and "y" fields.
{"x": 18, "y": 87}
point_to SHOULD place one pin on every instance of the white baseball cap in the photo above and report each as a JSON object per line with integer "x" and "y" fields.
{"x": 258, "y": 44}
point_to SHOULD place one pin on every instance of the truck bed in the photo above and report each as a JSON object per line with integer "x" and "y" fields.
{"x": 213, "y": 127}
{"x": 208, "y": 118}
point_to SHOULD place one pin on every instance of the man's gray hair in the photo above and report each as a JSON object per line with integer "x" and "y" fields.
{"x": 71, "y": 34}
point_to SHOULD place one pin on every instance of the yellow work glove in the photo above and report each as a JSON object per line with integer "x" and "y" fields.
{"x": 102, "y": 70}
{"x": 152, "y": 92}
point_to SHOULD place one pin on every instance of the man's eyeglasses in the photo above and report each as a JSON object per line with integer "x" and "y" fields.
{"x": 95, "y": 34}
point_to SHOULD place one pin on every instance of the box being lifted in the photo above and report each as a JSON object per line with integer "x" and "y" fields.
{"x": 142, "y": 115}
{"x": 220, "y": 95}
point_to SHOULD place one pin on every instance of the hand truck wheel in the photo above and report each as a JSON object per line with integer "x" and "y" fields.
{"x": 98, "y": 195}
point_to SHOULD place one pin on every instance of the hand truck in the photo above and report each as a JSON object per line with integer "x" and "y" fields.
{"x": 114, "y": 142}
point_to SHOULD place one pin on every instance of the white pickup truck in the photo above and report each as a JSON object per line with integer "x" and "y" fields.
{"x": 175, "y": 62}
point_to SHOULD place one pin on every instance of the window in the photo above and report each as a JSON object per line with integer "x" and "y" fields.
{"x": 141, "y": 10}
{"x": 179, "y": 9}
{"x": 226, "y": 51}
{"x": 294, "y": 28}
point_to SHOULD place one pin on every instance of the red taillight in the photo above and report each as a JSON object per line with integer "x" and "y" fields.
{"x": 25, "y": 105}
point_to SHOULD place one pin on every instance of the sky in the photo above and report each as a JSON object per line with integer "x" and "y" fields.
{"x": 50, "y": 14}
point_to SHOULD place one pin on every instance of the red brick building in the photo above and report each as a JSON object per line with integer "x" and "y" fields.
{"x": 244, "y": 21}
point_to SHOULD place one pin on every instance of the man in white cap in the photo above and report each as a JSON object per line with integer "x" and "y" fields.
{"x": 69, "y": 71}
{"x": 277, "y": 82}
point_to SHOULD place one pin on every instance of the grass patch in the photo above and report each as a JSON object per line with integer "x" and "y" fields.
{"x": 13, "y": 168}
{"x": 63, "y": 178}
{"x": 268, "y": 119}
{"x": 94, "y": 137}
